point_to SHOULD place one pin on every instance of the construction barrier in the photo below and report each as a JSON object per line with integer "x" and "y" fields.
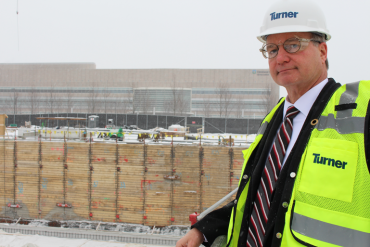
{"x": 133, "y": 183}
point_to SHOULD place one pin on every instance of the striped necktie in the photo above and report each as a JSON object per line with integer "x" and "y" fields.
{"x": 270, "y": 174}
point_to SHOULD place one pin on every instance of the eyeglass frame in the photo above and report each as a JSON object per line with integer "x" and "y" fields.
{"x": 301, "y": 46}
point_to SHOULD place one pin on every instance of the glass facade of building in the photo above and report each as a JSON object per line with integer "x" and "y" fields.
{"x": 30, "y": 89}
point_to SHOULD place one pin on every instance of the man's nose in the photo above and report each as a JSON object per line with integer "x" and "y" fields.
{"x": 283, "y": 56}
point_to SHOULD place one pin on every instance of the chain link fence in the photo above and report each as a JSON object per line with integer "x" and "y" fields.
{"x": 211, "y": 125}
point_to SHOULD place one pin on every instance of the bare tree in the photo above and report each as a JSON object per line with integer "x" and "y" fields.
{"x": 181, "y": 102}
{"x": 167, "y": 106}
{"x": 32, "y": 99}
{"x": 174, "y": 103}
{"x": 6, "y": 106}
{"x": 142, "y": 100}
{"x": 207, "y": 107}
{"x": 238, "y": 106}
{"x": 147, "y": 102}
{"x": 12, "y": 102}
{"x": 93, "y": 99}
{"x": 70, "y": 99}
{"x": 122, "y": 105}
{"x": 178, "y": 103}
{"x": 14, "y": 99}
{"x": 224, "y": 99}
{"x": 126, "y": 101}
{"x": 130, "y": 100}
{"x": 106, "y": 96}
{"x": 268, "y": 99}
{"x": 53, "y": 99}
{"x": 125, "y": 105}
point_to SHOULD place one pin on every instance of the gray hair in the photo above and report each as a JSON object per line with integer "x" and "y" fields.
{"x": 321, "y": 38}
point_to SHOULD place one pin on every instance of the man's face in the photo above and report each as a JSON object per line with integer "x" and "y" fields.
{"x": 299, "y": 69}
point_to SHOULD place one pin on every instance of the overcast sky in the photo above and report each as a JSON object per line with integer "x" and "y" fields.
{"x": 169, "y": 34}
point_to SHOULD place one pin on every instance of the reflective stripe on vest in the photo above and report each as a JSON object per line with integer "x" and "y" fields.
{"x": 344, "y": 123}
{"x": 347, "y": 97}
{"x": 263, "y": 128}
{"x": 329, "y": 233}
{"x": 347, "y": 125}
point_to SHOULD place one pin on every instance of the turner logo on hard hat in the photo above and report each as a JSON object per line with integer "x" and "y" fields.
{"x": 275, "y": 15}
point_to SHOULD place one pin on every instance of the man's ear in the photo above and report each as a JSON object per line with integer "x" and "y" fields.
{"x": 323, "y": 48}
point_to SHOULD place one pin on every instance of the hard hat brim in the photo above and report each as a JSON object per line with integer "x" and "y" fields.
{"x": 293, "y": 29}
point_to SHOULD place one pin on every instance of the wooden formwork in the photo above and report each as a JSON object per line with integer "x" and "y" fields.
{"x": 237, "y": 165}
{"x": 143, "y": 184}
{"x": 103, "y": 193}
{"x": 187, "y": 189}
{"x": 217, "y": 175}
{"x": 2, "y": 177}
{"x": 27, "y": 179}
{"x": 77, "y": 181}
{"x": 7, "y": 177}
{"x": 158, "y": 190}
{"x": 51, "y": 179}
{"x": 130, "y": 200}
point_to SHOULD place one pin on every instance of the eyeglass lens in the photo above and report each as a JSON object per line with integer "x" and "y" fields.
{"x": 290, "y": 45}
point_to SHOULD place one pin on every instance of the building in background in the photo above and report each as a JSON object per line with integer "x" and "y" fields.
{"x": 81, "y": 88}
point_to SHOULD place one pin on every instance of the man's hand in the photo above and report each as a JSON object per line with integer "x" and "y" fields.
{"x": 193, "y": 238}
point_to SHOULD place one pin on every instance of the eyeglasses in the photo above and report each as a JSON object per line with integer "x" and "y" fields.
{"x": 291, "y": 45}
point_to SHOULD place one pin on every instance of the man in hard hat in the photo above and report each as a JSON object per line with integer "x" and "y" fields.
{"x": 305, "y": 179}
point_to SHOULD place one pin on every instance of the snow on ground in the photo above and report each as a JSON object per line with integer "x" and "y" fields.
{"x": 21, "y": 240}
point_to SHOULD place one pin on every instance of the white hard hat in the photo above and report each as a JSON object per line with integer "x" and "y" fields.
{"x": 286, "y": 16}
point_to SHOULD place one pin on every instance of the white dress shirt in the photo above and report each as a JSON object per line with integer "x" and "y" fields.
{"x": 303, "y": 104}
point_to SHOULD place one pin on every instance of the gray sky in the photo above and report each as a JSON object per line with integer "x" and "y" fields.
{"x": 169, "y": 34}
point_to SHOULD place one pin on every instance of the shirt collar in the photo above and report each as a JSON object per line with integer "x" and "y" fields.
{"x": 305, "y": 102}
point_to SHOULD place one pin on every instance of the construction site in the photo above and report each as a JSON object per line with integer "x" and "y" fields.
{"x": 109, "y": 154}
{"x": 132, "y": 179}
{"x": 142, "y": 184}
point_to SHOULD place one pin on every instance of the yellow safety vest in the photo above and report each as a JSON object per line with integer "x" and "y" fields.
{"x": 330, "y": 199}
